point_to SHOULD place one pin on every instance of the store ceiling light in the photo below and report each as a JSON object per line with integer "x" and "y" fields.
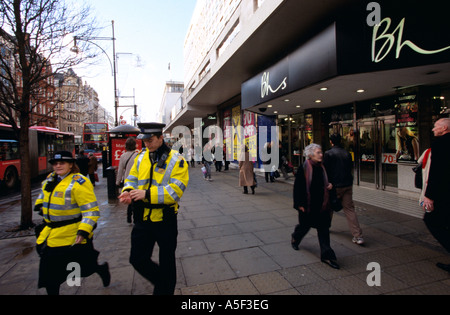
{"x": 269, "y": 106}
{"x": 287, "y": 100}
{"x": 324, "y": 89}
{"x": 298, "y": 106}
{"x": 318, "y": 101}
{"x": 360, "y": 91}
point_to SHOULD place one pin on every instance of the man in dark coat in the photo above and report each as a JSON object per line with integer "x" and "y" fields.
{"x": 339, "y": 165}
{"x": 82, "y": 162}
{"x": 436, "y": 201}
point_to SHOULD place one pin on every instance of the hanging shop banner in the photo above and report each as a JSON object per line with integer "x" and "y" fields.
{"x": 407, "y": 133}
{"x": 308, "y": 129}
{"x": 237, "y": 132}
{"x": 406, "y": 114}
{"x": 407, "y": 142}
{"x": 227, "y": 134}
{"x": 250, "y": 134}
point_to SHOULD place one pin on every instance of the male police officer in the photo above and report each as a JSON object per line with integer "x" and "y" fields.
{"x": 156, "y": 182}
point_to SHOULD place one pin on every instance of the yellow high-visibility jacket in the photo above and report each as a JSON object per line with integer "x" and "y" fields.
{"x": 73, "y": 198}
{"x": 168, "y": 183}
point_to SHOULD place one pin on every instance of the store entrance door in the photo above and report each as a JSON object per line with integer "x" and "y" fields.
{"x": 377, "y": 153}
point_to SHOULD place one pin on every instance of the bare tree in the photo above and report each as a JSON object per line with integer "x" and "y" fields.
{"x": 35, "y": 38}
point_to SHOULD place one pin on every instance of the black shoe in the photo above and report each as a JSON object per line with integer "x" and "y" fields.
{"x": 331, "y": 262}
{"x": 443, "y": 266}
{"x": 294, "y": 244}
{"x": 103, "y": 271}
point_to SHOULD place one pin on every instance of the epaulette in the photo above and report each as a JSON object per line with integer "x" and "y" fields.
{"x": 181, "y": 159}
{"x": 78, "y": 178}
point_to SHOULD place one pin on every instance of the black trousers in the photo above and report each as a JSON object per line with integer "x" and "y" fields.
{"x": 323, "y": 233}
{"x": 54, "y": 261}
{"x": 438, "y": 223}
{"x": 268, "y": 175}
{"x": 143, "y": 239}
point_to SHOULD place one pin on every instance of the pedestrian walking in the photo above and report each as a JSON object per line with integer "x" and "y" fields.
{"x": 282, "y": 161}
{"x": 70, "y": 210}
{"x": 246, "y": 172}
{"x": 218, "y": 157}
{"x": 83, "y": 163}
{"x": 190, "y": 157}
{"x": 312, "y": 203}
{"x": 125, "y": 163}
{"x": 226, "y": 163}
{"x": 155, "y": 185}
{"x": 339, "y": 165}
{"x": 436, "y": 200}
{"x": 207, "y": 160}
{"x": 92, "y": 167}
{"x": 424, "y": 161}
{"x": 268, "y": 170}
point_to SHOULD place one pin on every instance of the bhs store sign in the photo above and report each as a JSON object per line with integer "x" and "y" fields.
{"x": 384, "y": 40}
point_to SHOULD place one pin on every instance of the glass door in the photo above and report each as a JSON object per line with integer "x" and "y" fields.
{"x": 376, "y": 153}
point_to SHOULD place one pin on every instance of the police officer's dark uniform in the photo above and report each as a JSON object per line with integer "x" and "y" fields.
{"x": 163, "y": 174}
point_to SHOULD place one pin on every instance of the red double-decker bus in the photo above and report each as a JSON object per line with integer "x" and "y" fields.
{"x": 95, "y": 138}
{"x": 44, "y": 142}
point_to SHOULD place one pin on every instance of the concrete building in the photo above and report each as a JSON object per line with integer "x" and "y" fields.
{"x": 172, "y": 101}
{"x": 379, "y": 75}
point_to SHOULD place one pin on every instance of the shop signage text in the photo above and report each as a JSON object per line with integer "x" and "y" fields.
{"x": 390, "y": 38}
{"x": 266, "y": 88}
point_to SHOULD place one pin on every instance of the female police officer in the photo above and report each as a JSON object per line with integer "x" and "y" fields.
{"x": 69, "y": 207}
{"x": 156, "y": 182}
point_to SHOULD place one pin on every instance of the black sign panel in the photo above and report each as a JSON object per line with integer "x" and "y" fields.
{"x": 313, "y": 62}
{"x": 408, "y": 34}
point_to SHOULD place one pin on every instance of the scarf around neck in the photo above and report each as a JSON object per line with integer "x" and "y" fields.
{"x": 308, "y": 169}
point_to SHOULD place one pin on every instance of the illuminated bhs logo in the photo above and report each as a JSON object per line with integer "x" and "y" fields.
{"x": 266, "y": 88}
{"x": 388, "y": 39}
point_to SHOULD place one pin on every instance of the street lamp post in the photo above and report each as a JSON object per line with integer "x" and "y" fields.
{"x": 75, "y": 49}
{"x": 116, "y": 99}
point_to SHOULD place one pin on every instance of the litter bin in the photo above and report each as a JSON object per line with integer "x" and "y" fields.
{"x": 111, "y": 180}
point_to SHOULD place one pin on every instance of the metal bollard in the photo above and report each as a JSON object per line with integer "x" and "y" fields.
{"x": 111, "y": 179}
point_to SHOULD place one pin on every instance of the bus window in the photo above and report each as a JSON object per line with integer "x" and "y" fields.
{"x": 9, "y": 150}
{"x": 42, "y": 144}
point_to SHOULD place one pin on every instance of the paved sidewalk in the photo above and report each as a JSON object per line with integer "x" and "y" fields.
{"x": 231, "y": 243}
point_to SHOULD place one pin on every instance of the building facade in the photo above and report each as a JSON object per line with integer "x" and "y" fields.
{"x": 78, "y": 103}
{"x": 377, "y": 74}
{"x": 172, "y": 101}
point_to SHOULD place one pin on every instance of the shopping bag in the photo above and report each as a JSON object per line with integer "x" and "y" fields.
{"x": 204, "y": 170}
{"x": 96, "y": 177}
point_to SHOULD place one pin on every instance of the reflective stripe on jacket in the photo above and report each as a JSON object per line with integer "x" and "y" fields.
{"x": 168, "y": 183}
{"x": 72, "y": 198}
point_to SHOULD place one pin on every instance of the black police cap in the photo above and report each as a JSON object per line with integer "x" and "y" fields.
{"x": 62, "y": 156}
{"x": 149, "y": 130}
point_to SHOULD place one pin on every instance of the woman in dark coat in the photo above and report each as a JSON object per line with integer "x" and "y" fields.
{"x": 311, "y": 200}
